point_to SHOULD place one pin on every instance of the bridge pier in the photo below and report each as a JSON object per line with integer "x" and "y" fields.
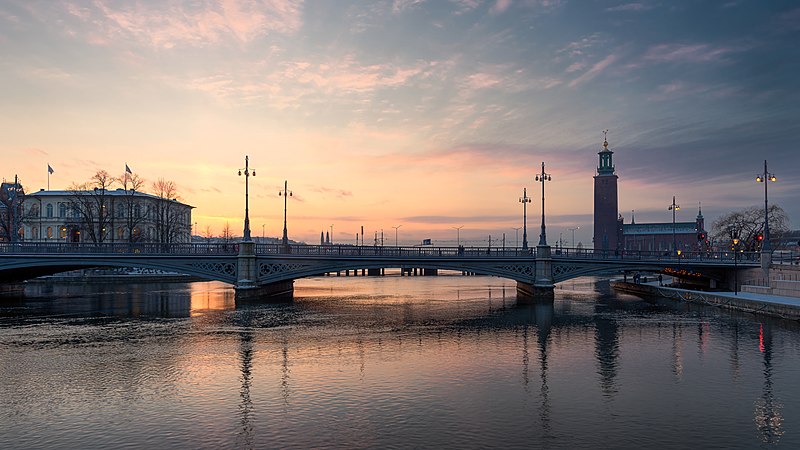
{"x": 246, "y": 267}
{"x": 542, "y": 290}
{"x": 11, "y": 289}
{"x": 281, "y": 291}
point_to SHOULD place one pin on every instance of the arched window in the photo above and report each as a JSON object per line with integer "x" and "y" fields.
{"x": 34, "y": 233}
{"x": 50, "y": 229}
{"x": 49, "y": 210}
{"x": 120, "y": 233}
{"x": 137, "y": 211}
{"x": 62, "y": 233}
{"x": 62, "y": 210}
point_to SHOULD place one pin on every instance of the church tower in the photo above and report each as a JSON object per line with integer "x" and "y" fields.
{"x": 605, "y": 201}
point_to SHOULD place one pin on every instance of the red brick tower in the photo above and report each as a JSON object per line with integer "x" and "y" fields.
{"x": 605, "y": 201}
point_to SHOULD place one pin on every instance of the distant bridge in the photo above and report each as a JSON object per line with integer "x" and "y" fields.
{"x": 261, "y": 269}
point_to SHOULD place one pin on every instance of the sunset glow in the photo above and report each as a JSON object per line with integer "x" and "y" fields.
{"x": 425, "y": 114}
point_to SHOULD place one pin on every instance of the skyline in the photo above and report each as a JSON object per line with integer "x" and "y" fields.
{"x": 417, "y": 113}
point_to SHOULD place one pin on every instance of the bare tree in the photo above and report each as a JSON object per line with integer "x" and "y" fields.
{"x": 207, "y": 233}
{"x": 91, "y": 206}
{"x": 747, "y": 224}
{"x": 12, "y": 197}
{"x": 226, "y": 235}
{"x": 167, "y": 216}
{"x": 129, "y": 210}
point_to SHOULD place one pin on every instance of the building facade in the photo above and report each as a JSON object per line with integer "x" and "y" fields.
{"x": 611, "y": 232}
{"x": 104, "y": 216}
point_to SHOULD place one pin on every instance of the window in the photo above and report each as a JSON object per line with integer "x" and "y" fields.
{"x": 50, "y": 229}
{"x": 62, "y": 233}
{"x": 62, "y": 210}
{"x": 49, "y": 210}
{"x": 120, "y": 233}
{"x": 34, "y": 233}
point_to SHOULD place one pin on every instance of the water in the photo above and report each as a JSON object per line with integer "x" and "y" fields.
{"x": 390, "y": 362}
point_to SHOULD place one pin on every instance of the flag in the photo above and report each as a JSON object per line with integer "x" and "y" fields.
{"x": 128, "y": 169}
{"x": 50, "y": 169}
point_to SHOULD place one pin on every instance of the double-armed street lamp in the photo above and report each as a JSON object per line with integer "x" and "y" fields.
{"x": 458, "y": 234}
{"x": 516, "y": 236}
{"x": 765, "y": 178}
{"x": 395, "y": 233}
{"x": 285, "y": 193}
{"x": 525, "y": 200}
{"x": 673, "y": 207}
{"x": 573, "y": 235}
{"x": 542, "y": 177}
{"x": 247, "y": 172}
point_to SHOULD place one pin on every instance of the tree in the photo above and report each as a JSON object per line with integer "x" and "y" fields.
{"x": 12, "y": 197}
{"x": 227, "y": 234}
{"x": 130, "y": 209}
{"x": 91, "y": 206}
{"x": 167, "y": 217}
{"x": 747, "y": 225}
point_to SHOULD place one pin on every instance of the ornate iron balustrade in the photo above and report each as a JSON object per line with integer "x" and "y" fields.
{"x": 368, "y": 251}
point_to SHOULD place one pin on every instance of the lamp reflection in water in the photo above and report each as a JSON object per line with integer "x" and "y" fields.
{"x": 768, "y": 417}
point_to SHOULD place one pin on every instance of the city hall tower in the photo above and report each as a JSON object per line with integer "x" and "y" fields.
{"x": 606, "y": 234}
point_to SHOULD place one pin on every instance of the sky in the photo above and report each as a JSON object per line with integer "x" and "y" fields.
{"x": 424, "y": 115}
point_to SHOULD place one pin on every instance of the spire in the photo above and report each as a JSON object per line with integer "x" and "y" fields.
{"x": 699, "y": 210}
{"x": 606, "y": 165}
{"x": 633, "y": 218}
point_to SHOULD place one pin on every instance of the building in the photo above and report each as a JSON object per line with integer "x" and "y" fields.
{"x": 11, "y": 198}
{"x": 611, "y": 232}
{"x": 660, "y": 237}
{"x": 606, "y": 224}
{"x": 108, "y": 216}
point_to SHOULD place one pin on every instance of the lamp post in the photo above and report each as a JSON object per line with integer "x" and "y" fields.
{"x": 458, "y": 234}
{"x": 735, "y": 264}
{"x": 765, "y": 178}
{"x": 516, "y": 236}
{"x": 285, "y": 193}
{"x": 543, "y": 177}
{"x": 331, "y": 234}
{"x": 247, "y": 172}
{"x": 395, "y": 234}
{"x": 673, "y": 207}
{"x": 525, "y": 200}
{"x": 573, "y": 235}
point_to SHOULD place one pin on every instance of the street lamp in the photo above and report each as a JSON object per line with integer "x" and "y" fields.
{"x": 573, "y": 235}
{"x": 516, "y": 236}
{"x": 735, "y": 264}
{"x": 395, "y": 234}
{"x": 673, "y": 207}
{"x": 543, "y": 177}
{"x": 285, "y": 193}
{"x": 525, "y": 200}
{"x": 763, "y": 178}
{"x": 458, "y": 234}
{"x": 247, "y": 172}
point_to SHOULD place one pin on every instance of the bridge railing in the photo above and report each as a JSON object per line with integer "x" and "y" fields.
{"x": 144, "y": 248}
{"x": 660, "y": 255}
{"x": 151, "y": 248}
{"x": 390, "y": 251}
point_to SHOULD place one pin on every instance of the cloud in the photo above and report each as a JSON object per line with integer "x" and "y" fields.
{"x": 594, "y": 71}
{"x": 636, "y": 7}
{"x": 170, "y": 24}
{"x": 500, "y": 6}
{"x": 671, "y": 53}
{"x": 398, "y": 6}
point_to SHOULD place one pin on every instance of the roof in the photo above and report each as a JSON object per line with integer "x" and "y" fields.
{"x": 111, "y": 193}
{"x": 659, "y": 228}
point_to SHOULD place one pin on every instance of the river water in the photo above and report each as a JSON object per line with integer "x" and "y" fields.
{"x": 390, "y": 362}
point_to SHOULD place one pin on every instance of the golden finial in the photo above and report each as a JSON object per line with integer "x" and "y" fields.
{"x": 605, "y": 139}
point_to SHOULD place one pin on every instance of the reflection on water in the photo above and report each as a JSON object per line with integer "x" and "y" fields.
{"x": 372, "y": 362}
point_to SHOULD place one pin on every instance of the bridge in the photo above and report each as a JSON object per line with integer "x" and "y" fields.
{"x": 259, "y": 270}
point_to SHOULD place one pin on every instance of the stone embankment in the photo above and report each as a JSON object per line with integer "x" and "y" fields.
{"x": 758, "y": 303}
